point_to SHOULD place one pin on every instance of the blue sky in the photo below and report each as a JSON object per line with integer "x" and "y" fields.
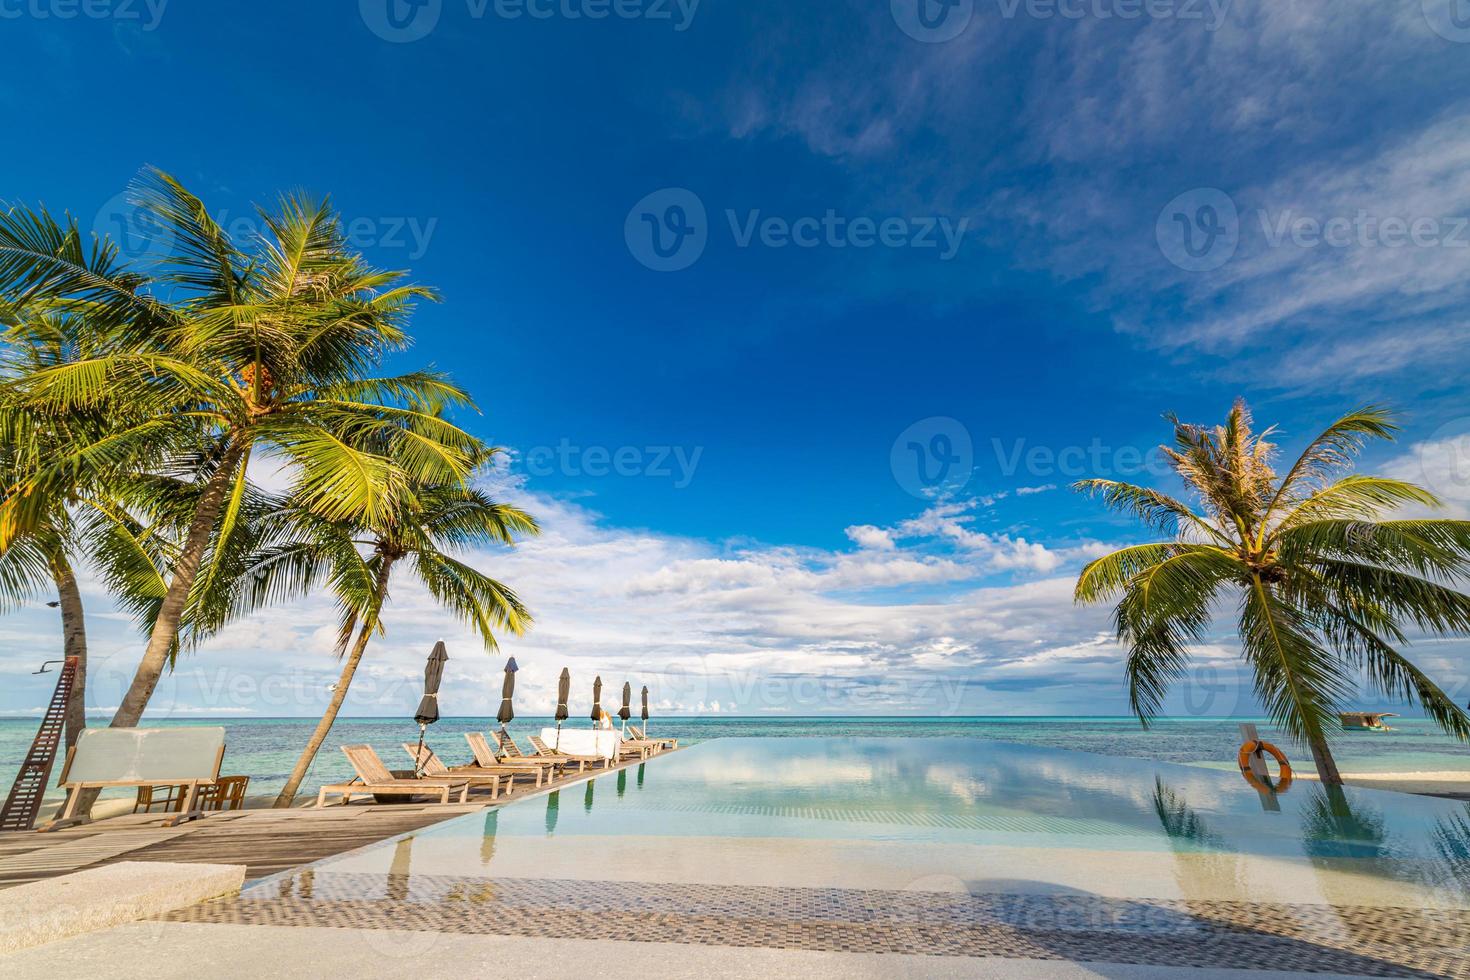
{"x": 990, "y": 247}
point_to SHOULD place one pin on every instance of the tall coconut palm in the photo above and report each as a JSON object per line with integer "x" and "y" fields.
{"x": 43, "y": 558}
{"x": 357, "y": 562}
{"x": 233, "y": 347}
{"x": 1326, "y": 588}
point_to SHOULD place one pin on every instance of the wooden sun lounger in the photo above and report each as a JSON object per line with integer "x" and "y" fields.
{"x": 582, "y": 761}
{"x": 374, "y": 778}
{"x": 511, "y": 754}
{"x": 662, "y": 743}
{"x": 431, "y": 766}
{"x": 485, "y": 760}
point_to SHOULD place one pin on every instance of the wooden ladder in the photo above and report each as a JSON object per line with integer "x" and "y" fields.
{"x": 30, "y": 783}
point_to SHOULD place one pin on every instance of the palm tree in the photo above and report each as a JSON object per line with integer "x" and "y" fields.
{"x": 1325, "y": 586}
{"x": 357, "y": 562}
{"x": 232, "y": 349}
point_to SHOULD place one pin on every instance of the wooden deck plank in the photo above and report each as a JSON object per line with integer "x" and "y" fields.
{"x": 265, "y": 841}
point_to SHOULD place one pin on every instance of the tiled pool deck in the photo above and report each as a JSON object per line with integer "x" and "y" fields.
{"x": 969, "y": 856}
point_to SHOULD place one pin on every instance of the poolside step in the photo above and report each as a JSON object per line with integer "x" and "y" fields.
{"x": 44, "y": 911}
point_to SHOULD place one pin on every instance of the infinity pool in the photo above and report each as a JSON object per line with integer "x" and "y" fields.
{"x": 951, "y": 847}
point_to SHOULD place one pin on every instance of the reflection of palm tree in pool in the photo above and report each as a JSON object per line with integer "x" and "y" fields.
{"x": 1181, "y": 821}
{"x": 1334, "y": 828}
{"x": 1452, "y": 840}
{"x": 1205, "y": 867}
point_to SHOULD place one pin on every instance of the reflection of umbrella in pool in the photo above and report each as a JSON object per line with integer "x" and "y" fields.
{"x": 487, "y": 839}
{"x": 622, "y": 782}
{"x": 553, "y": 804}
{"x": 507, "y": 691}
{"x": 587, "y": 799}
{"x": 428, "y": 712}
{"x": 626, "y": 711}
{"x": 563, "y": 693}
{"x": 597, "y": 699}
{"x": 399, "y": 870}
{"x": 641, "y": 767}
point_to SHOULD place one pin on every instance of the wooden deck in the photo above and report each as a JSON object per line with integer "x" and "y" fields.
{"x": 265, "y": 841}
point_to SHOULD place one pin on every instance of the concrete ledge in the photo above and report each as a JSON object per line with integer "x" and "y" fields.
{"x": 99, "y": 898}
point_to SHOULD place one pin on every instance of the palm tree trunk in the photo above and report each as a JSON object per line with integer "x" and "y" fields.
{"x": 171, "y": 613}
{"x": 339, "y": 694}
{"x": 1326, "y": 765}
{"x": 73, "y": 643}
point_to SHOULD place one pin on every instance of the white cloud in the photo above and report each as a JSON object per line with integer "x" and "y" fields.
{"x": 868, "y": 536}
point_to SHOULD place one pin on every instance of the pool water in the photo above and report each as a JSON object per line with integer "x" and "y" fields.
{"x": 943, "y": 846}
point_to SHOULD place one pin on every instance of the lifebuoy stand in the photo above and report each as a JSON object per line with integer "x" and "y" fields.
{"x": 1258, "y": 767}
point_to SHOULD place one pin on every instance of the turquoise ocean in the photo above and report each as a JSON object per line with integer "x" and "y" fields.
{"x": 265, "y": 749}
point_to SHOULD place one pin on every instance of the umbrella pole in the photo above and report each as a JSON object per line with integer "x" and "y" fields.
{"x": 418, "y": 757}
{"x": 558, "y": 736}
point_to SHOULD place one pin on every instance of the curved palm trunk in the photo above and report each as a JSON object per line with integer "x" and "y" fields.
{"x": 1326, "y": 764}
{"x": 74, "y": 644}
{"x": 329, "y": 717}
{"x": 171, "y": 613}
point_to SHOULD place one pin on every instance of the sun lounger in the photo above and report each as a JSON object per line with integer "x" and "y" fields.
{"x": 662, "y": 743}
{"x": 430, "y": 765}
{"x": 582, "y": 761}
{"x": 374, "y": 778}
{"x": 485, "y": 759}
{"x": 143, "y": 758}
{"x": 511, "y": 753}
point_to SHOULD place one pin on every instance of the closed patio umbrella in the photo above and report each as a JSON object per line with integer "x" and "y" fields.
{"x": 597, "y": 699}
{"x": 645, "y": 711}
{"x": 563, "y": 692}
{"x": 507, "y": 691}
{"x": 428, "y": 711}
{"x": 626, "y": 711}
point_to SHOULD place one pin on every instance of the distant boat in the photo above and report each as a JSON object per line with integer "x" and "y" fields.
{"x": 1365, "y": 721}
